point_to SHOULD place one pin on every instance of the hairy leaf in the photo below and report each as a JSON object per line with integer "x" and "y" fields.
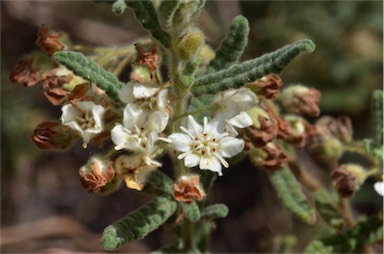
{"x": 289, "y": 191}
{"x": 365, "y": 232}
{"x": 158, "y": 183}
{"x": 378, "y": 115}
{"x": 214, "y": 211}
{"x": 326, "y": 206}
{"x": 146, "y": 14}
{"x": 138, "y": 224}
{"x": 232, "y": 47}
{"x": 167, "y": 10}
{"x": 192, "y": 211}
{"x": 186, "y": 13}
{"x": 239, "y": 74}
{"x": 89, "y": 70}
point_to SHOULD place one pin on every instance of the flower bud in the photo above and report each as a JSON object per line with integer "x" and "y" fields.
{"x": 98, "y": 176}
{"x": 189, "y": 44}
{"x": 52, "y": 136}
{"x": 348, "y": 178}
{"x": 299, "y": 131}
{"x": 268, "y": 86}
{"x": 340, "y": 127}
{"x": 263, "y": 129}
{"x": 301, "y": 100}
{"x": 141, "y": 74}
{"x": 187, "y": 189}
{"x": 49, "y": 41}
{"x": 270, "y": 157}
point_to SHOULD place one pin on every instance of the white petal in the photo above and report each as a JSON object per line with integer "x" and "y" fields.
{"x": 379, "y": 188}
{"x": 191, "y": 160}
{"x": 144, "y": 91}
{"x": 70, "y": 113}
{"x": 133, "y": 116}
{"x": 158, "y": 120}
{"x": 162, "y": 99}
{"x": 211, "y": 163}
{"x": 97, "y": 113}
{"x": 193, "y": 126}
{"x": 230, "y": 146}
{"x": 241, "y": 120}
{"x": 181, "y": 142}
{"x": 126, "y": 93}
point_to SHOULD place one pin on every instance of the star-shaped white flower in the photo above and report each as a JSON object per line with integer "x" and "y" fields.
{"x": 207, "y": 145}
{"x": 231, "y": 106}
{"x": 140, "y": 130}
{"x": 85, "y": 117}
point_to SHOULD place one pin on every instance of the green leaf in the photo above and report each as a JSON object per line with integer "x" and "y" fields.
{"x": 189, "y": 71}
{"x": 175, "y": 247}
{"x": 326, "y": 206}
{"x": 146, "y": 14}
{"x": 239, "y": 74}
{"x": 364, "y": 233}
{"x": 118, "y": 7}
{"x": 214, "y": 211}
{"x": 232, "y": 47}
{"x": 186, "y": 13}
{"x": 89, "y": 70}
{"x": 166, "y": 12}
{"x": 289, "y": 191}
{"x": 158, "y": 183}
{"x": 138, "y": 224}
{"x": 192, "y": 211}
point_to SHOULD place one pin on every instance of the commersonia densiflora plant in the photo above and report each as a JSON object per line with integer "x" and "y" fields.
{"x": 205, "y": 110}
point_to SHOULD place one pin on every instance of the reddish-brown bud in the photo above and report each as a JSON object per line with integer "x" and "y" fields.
{"x": 53, "y": 89}
{"x": 301, "y": 100}
{"x": 347, "y": 179}
{"x": 187, "y": 189}
{"x": 340, "y": 127}
{"x": 263, "y": 129}
{"x": 24, "y": 73}
{"x": 270, "y": 157}
{"x": 52, "y": 136}
{"x": 96, "y": 175}
{"x": 148, "y": 58}
{"x": 49, "y": 41}
{"x": 268, "y": 86}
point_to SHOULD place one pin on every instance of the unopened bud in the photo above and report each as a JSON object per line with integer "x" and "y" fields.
{"x": 189, "y": 44}
{"x": 187, "y": 189}
{"x": 270, "y": 157}
{"x": 141, "y": 74}
{"x": 263, "y": 129}
{"x": 301, "y": 100}
{"x": 52, "y": 136}
{"x": 98, "y": 176}
{"x": 268, "y": 86}
{"x": 348, "y": 178}
{"x": 49, "y": 41}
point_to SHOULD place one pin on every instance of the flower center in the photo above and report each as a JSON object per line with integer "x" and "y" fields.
{"x": 87, "y": 121}
{"x": 205, "y": 145}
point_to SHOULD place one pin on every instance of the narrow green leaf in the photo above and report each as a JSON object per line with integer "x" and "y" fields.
{"x": 189, "y": 71}
{"x": 175, "y": 247}
{"x": 192, "y": 211}
{"x": 239, "y": 74}
{"x": 326, "y": 206}
{"x": 166, "y": 12}
{"x": 364, "y": 233}
{"x": 89, "y": 70}
{"x": 214, "y": 211}
{"x": 138, "y": 224}
{"x": 289, "y": 191}
{"x": 232, "y": 47}
{"x": 158, "y": 183}
{"x": 146, "y": 14}
{"x": 186, "y": 13}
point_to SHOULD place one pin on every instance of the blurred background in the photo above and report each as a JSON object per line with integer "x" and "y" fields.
{"x": 45, "y": 209}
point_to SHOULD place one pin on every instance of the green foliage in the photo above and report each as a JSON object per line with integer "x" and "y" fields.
{"x": 118, "y": 7}
{"x": 289, "y": 190}
{"x": 365, "y": 232}
{"x": 176, "y": 247}
{"x": 158, "y": 183}
{"x": 166, "y": 12}
{"x": 146, "y": 14}
{"x": 89, "y": 70}
{"x": 325, "y": 204}
{"x": 138, "y": 224}
{"x": 192, "y": 211}
{"x": 238, "y": 75}
{"x": 214, "y": 211}
{"x": 232, "y": 47}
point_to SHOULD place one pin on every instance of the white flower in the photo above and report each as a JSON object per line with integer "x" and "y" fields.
{"x": 206, "y": 146}
{"x": 379, "y": 188}
{"x": 85, "y": 117}
{"x": 146, "y": 96}
{"x": 140, "y": 130}
{"x": 231, "y": 106}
